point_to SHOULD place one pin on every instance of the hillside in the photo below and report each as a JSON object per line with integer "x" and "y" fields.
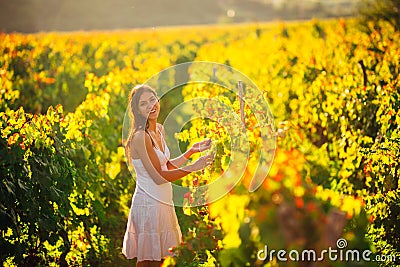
{"x": 68, "y": 15}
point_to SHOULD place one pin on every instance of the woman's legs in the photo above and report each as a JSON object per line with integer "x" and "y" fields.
{"x": 148, "y": 264}
{"x": 155, "y": 263}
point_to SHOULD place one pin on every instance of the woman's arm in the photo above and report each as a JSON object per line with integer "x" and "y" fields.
{"x": 180, "y": 160}
{"x": 142, "y": 145}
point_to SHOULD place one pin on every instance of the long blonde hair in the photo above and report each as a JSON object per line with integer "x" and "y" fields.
{"x": 139, "y": 121}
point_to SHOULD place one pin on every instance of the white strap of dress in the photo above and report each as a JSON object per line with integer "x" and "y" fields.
{"x": 162, "y": 140}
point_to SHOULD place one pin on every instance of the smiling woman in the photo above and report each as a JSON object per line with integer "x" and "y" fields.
{"x": 152, "y": 227}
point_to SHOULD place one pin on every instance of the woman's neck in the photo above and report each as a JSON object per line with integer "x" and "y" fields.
{"x": 152, "y": 125}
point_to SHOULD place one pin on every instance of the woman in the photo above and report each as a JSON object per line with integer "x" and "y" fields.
{"x": 152, "y": 226}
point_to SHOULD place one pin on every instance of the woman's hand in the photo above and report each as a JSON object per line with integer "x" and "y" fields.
{"x": 197, "y": 147}
{"x": 201, "y": 146}
{"x": 203, "y": 162}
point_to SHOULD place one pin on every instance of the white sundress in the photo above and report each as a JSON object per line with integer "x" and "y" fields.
{"x": 152, "y": 226}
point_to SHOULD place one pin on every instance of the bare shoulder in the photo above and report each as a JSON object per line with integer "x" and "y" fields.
{"x": 138, "y": 137}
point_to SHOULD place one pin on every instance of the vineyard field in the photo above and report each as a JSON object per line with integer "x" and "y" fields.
{"x": 334, "y": 93}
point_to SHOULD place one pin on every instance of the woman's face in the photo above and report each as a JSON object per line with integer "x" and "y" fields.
{"x": 149, "y": 106}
